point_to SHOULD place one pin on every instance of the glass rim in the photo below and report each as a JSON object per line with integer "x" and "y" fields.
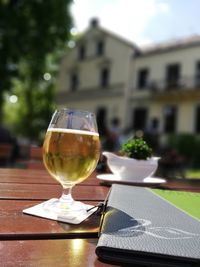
{"x": 74, "y": 110}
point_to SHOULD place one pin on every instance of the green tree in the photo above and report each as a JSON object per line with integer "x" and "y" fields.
{"x": 23, "y": 119}
{"x": 30, "y": 33}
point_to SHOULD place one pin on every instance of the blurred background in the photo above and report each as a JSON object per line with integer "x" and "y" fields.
{"x": 135, "y": 64}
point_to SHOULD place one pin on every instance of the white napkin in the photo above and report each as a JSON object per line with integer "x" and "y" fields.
{"x": 75, "y": 218}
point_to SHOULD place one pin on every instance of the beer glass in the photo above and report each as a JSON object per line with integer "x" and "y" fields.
{"x": 70, "y": 153}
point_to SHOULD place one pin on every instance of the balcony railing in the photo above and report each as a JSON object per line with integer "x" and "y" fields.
{"x": 181, "y": 83}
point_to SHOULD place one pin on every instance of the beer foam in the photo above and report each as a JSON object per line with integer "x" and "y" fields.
{"x": 71, "y": 131}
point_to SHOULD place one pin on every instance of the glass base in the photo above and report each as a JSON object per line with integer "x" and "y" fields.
{"x": 57, "y": 210}
{"x": 66, "y": 206}
{"x": 60, "y": 207}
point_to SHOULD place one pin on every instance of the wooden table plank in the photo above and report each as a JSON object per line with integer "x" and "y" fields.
{"x": 25, "y": 176}
{"x": 41, "y": 176}
{"x": 192, "y": 185}
{"x": 51, "y": 253}
{"x": 22, "y": 226}
{"x": 46, "y": 191}
{"x": 22, "y": 176}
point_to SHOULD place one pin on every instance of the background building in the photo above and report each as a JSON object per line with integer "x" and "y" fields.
{"x": 154, "y": 90}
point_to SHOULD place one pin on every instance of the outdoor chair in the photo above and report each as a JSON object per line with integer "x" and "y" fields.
{"x": 5, "y": 154}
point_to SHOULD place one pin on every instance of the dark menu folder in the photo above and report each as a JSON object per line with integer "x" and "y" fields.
{"x": 139, "y": 227}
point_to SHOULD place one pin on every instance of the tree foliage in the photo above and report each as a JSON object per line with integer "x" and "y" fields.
{"x": 31, "y": 31}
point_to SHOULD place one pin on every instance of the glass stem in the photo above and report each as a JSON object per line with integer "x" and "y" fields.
{"x": 67, "y": 196}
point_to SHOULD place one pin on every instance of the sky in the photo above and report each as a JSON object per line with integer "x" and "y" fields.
{"x": 143, "y": 22}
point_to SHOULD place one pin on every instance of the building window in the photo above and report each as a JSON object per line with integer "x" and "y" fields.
{"x": 172, "y": 75}
{"x": 143, "y": 76}
{"x": 197, "y": 120}
{"x": 81, "y": 52}
{"x": 99, "y": 48}
{"x": 74, "y": 81}
{"x": 170, "y": 119}
{"x": 104, "y": 77}
{"x": 197, "y": 74}
{"x": 139, "y": 119}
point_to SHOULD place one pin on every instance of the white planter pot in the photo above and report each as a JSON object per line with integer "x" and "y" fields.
{"x": 129, "y": 168}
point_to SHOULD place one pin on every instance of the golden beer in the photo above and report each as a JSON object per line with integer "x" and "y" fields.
{"x": 70, "y": 156}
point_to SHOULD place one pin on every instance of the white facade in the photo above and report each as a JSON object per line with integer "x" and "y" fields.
{"x": 158, "y": 88}
{"x": 156, "y": 97}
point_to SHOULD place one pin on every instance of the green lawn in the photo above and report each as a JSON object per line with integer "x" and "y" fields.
{"x": 193, "y": 173}
{"x": 187, "y": 201}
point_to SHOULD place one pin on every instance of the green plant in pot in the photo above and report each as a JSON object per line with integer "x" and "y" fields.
{"x": 135, "y": 162}
{"x": 136, "y": 148}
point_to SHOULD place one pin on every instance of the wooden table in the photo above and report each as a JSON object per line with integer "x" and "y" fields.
{"x": 32, "y": 241}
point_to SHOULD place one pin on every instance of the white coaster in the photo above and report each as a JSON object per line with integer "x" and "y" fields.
{"x": 39, "y": 210}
